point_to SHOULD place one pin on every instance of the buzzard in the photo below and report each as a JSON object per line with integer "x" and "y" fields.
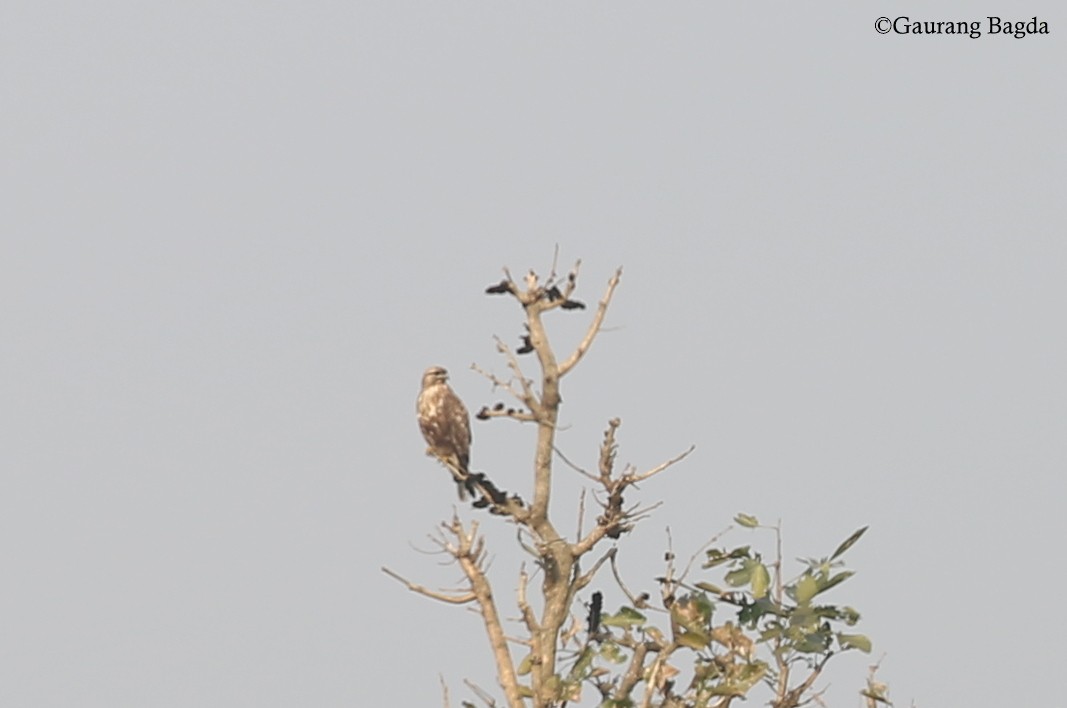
{"x": 446, "y": 425}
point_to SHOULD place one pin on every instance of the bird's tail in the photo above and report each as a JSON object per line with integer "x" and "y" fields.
{"x": 466, "y": 483}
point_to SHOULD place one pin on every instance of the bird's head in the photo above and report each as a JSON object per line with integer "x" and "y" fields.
{"x": 434, "y": 375}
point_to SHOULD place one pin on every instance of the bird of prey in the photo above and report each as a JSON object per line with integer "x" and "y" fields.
{"x": 446, "y": 425}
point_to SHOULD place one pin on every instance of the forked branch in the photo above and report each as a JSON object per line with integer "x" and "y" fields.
{"x": 615, "y": 518}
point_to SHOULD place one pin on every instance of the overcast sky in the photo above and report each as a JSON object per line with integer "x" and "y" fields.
{"x": 233, "y": 234}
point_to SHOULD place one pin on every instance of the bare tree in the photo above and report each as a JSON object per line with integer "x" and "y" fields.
{"x": 625, "y": 658}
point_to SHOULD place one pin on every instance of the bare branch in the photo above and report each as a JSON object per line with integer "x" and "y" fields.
{"x": 696, "y": 554}
{"x": 528, "y": 617}
{"x": 521, "y": 642}
{"x": 582, "y": 580}
{"x": 635, "y": 601}
{"x": 561, "y": 298}
{"x": 608, "y": 448}
{"x": 529, "y": 398}
{"x": 498, "y": 382}
{"x": 594, "y": 326}
{"x": 573, "y": 466}
{"x": 481, "y": 693}
{"x": 600, "y": 531}
{"x": 422, "y": 590}
{"x": 507, "y": 285}
{"x": 444, "y": 691}
{"x": 581, "y": 511}
{"x": 571, "y": 634}
{"x": 792, "y": 699}
{"x": 498, "y": 411}
{"x": 469, "y": 552}
{"x": 634, "y": 672}
{"x": 876, "y": 691}
{"x": 525, "y": 546}
{"x": 660, "y": 467}
{"x": 653, "y": 674}
{"x": 779, "y": 590}
{"x": 498, "y": 502}
{"x": 616, "y": 520}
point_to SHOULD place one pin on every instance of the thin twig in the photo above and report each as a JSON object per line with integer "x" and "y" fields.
{"x": 482, "y": 694}
{"x": 422, "y": 590}
{"x": 528, "y": 397}
{"x": 584, "y": 579}
{"x": 662, "y": 466}
{"x": 573, "y": 466}
{"x": 793, "y": 698}
{"x": 692, "y": 559}
{"x": 594, "y": 326}
{"x": 498, "y": 382}
{"x": 528, "y": 616}
{"x": 622, "y": 586}
{"x": 581, "y": 511}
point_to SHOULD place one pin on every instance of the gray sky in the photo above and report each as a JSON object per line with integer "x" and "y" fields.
{"x": 234, "y": 234}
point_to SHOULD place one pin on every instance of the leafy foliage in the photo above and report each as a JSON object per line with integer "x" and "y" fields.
{"x": 759, "y": 629}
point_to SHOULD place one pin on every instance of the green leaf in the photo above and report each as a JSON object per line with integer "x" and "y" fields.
{"x": 761, "y": 581}
{"x": 849, "y": 542}
{"x": 625, "y": 617}
{"x": 746, "y": 520}
{"x": 705, "y": 605}
{"x": 837, "y": 580}
{"x": 525, "y": 665}
{"x": 854, "y": 641}
{"x": 739, "y": 576}
{"x": 718, "y": 556}
{"x": 806, "y": 588}
{"x": 850, "y": 615}
{"x": 803, "y": 618}
{"x": 713, "y": 589}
